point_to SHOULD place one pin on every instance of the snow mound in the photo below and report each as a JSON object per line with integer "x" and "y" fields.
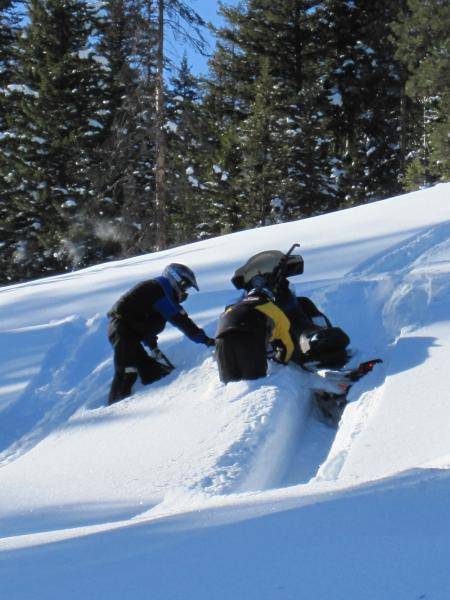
{"x": 385, "y": 432}
{"x": 69, "y": 375}
{"x": 189, "y": 479}
{"x": 187, "y": 432}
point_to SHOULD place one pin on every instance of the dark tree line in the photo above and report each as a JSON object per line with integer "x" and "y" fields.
{"x": 108, "y": 150}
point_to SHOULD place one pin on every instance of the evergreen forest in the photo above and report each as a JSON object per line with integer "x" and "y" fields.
{"x": 109, "y": 148}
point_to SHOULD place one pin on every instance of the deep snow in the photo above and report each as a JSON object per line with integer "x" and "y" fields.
{"x": 193, "y": 489}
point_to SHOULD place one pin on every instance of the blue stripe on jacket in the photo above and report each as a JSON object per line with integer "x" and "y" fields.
{"x": 167, "y": 305}
{"x": 170, "y": 308}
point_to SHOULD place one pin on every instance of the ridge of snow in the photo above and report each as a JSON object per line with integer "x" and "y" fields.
{"x": 197, "y": 476}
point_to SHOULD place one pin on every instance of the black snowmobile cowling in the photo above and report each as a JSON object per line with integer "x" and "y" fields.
{"x": 269, "y": 265}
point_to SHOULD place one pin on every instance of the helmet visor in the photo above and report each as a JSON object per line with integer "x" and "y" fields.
{"x": 184, "y": 285}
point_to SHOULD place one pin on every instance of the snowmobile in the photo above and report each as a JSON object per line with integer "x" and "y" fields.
{"x": 320, "y": 348}
{"x": 267, "y": 269}
{"x": 330, "y": 397}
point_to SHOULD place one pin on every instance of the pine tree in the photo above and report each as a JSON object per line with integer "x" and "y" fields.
{"x": 424, "y": 49}
{"x": 256, "y": 29}
{"x": 286, "y": 39}
{"x": 132, "y": 187}
{"x": 54, "y": 130}
{"x": 224, "y": 207}
{"x": 178, "y": 16}
{"x": 8, "y": 31}
{"x": 362, "y": 97}
{"x": 264, "y": 155}
{"x": 224, "y": 107}
{"x": 124, "y": 181}
{"x": 187, "y": 147}
{"x": 7, "y": 38}
{"x": 227, "y": 94}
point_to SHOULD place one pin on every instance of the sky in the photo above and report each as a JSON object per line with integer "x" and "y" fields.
{"x": 208, "y": 10}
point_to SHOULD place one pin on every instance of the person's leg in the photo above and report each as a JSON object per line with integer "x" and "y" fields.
{"x": 121, "y": 386}
{"x": 125, "y": 368}
{"x": 251, "y": 355}
{"x": 125, "y": 375}
{"x": 226, "y": 361}
{"x": 300, "y": 321}
{"x": 241, "y": 355}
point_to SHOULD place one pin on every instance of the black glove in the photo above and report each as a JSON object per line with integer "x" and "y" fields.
{"x": 278, "y": 352}
{"x": 280, "y": 356}
{"x": 209, "y": 342}
{"x": 162, "y": 359}
{"x": 164, "y": 369}
{"x": 157, "y": 354}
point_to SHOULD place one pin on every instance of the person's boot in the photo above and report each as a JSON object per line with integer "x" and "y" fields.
{"x": 122, "y": 385}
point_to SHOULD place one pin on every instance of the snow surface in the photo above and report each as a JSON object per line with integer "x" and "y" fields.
{"x": 193, "y": 489}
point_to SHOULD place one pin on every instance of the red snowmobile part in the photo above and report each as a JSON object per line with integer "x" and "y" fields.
{"x": 363, "y": 369}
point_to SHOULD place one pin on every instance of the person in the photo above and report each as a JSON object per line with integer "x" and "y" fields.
{"x": 316, "y": 341}
{"x": 244, "y": 331}
{"x": 138, "y": 317}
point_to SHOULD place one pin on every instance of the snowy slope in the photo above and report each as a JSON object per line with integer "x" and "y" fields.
{"x": 193, "y": 489}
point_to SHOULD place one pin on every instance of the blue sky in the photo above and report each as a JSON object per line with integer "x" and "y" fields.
{"x": 207, "y": 9}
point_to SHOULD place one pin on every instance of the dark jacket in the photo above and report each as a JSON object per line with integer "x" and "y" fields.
{"x": 258, "y": 315}
{"x": 148, "y": 306}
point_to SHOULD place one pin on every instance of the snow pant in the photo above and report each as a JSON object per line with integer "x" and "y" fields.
{"x": 326, "y": 346}
{"x": 241, "y": 355}
{"x": 130, "y": 360}
{"x": 300, "y": 311}
{"x": 306, "y": 319}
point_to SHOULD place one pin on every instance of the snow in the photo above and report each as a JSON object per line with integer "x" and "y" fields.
{"x": 89, "y": 53}
{"x": 277, "y": 203}
{"x": 95, "y": 123}
{"x": 336, "y": 97}
{"x": 69, "y": 203}
{"x": 193, "y": 181}
{"x": 21, "y": 89}
{"x": 194, "y": 489}
{"x": 171, "y": 126}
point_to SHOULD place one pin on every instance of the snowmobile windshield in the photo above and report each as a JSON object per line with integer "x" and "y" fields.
{"x": 266, "y": 265}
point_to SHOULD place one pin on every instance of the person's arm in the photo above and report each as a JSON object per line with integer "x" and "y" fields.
{"x": 281, "y": 328}
{"x": 178, "y": 317}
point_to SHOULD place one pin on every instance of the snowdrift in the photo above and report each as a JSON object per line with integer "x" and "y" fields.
{"x": 71, "y": 467}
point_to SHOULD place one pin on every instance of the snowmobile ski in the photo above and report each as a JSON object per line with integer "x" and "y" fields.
{"x": 332, "y": 400}
{"x": 331, "y": 406}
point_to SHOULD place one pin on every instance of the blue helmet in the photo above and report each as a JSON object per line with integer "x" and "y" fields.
{"x": 181, "y": 278}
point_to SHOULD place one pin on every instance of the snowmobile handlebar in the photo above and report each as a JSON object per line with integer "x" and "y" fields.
{"x": 291, "y": 249}
{"x": 279, "y": 272}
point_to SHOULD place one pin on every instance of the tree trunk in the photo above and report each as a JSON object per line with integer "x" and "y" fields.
{"x": 403, "y": 122}
{"x": 160, "y": 138}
